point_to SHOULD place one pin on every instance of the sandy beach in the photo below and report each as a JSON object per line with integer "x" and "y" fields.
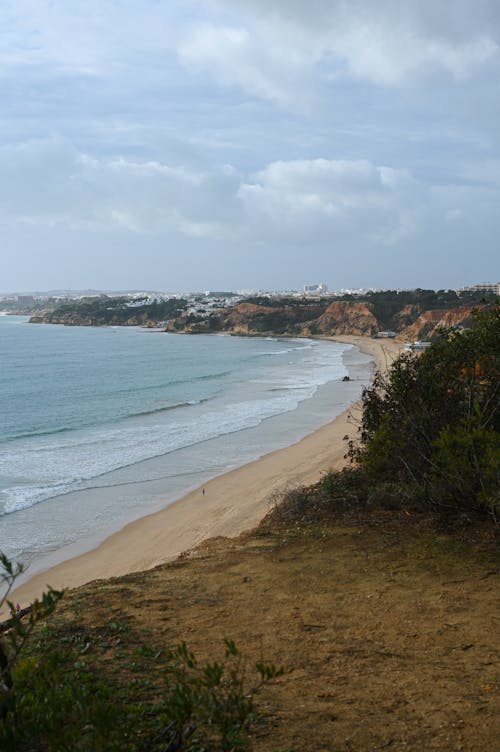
{"x": 226, "y": 506}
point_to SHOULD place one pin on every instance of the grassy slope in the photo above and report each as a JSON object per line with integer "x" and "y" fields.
{"x": 389, "y": 628}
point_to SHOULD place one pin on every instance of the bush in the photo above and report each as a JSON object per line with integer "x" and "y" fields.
{"x": 57, "y": 697}
{"x": 209, "y": 707}
{"x": 45, "y": 704}
{"x": 432, "y": 424}
{"x": 59, "y": 708}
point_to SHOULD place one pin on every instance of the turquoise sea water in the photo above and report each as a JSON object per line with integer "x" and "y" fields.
{"x": 84, "y": 410}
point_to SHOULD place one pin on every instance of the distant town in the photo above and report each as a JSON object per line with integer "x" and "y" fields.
{"x": 203, "y": 303}
{"x": 415, "y": 316}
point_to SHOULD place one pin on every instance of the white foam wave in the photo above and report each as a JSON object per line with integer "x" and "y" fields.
{"x": 75, "y": 460}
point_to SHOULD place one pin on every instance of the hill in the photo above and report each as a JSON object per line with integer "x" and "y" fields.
{"x": 384, "y": 622}
{"x": 410, "y": 314}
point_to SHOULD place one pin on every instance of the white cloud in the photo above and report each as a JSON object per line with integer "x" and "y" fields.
{"x": 276, "y": 46}
{"x": 87, "y": 37}
{"x": 49, "y": 182}
{"x": 266, "y": 69}
{"x": 308, "y": 215}
{"x": 322, "y": 200}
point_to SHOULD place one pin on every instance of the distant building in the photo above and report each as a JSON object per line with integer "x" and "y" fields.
{"x": 417, "y": 346}
{"x": 493, "y": 287}
{"x": 315, "y": 289}
{"x": 386, "y": 335}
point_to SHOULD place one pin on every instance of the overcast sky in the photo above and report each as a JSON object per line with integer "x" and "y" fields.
{"x": 215, "y": 144}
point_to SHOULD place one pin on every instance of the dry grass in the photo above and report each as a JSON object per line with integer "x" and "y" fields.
{"x": 389, "y": 629}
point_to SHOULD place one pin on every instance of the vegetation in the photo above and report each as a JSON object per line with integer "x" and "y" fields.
{"x": 107, "y": 310}
{"x": 59, "y": 692}
{"x": 29, "y": 307}
{"x": 429, "y": 436}
{"x": 279, "y": 302}
{"x": 432, "y": 425}
{"x": 429, "y": 439}
{"x": 386, "y": 304}
{"x": 393, "y": 309}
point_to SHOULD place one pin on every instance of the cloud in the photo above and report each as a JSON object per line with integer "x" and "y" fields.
{"x": 49, "y": 182}
{"x": 87, "y": 37}
{"x": 273, "y": 47}
{"x": 366, "y": 222}
{"x": 263, "y": 68}
{"x": 326, "y": 200}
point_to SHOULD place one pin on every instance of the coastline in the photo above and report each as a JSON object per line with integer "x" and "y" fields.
{"x": 226, "y": 506}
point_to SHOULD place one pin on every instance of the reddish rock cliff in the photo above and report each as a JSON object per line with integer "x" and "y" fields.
{"x": 344, "y": 317}
{"x": 405, "y": 317}
{"x": 429, "y": 322}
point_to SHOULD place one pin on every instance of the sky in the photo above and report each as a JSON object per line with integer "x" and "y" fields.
{"x": 249, "y": 144}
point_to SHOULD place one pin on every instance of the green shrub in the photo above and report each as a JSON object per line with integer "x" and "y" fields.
{"x": 56, "y": 707}
{"x": 467, "y": 466}
{"x": 209, "y": 707}
{"x": 432, "y": 424}
{"x": 56, "y": 697}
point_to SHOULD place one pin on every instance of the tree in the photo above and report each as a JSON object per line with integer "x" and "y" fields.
{"x": 433, "y": 422}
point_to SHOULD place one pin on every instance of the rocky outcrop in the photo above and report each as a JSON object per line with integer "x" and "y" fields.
{"x": 344, "y": 317}
{"x": 405, "y": 317}
{"x": 429, "y": 322}
{"x": 253, "y": 319}
{"x": 301, "y": 318}
{"x": 75, "y": 318}
{"x": 244, "y": 317}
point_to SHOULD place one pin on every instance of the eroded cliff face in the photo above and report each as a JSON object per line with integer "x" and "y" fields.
{"x": 244, "y": 318}
{"x": 301, "y": 319}
{"x": 405, "y": 317}
{"x": 253, "y": 319}
{"x": 427, "y": 324}
{"x": 78, "y": 319}
{"x": 344, "y": 317}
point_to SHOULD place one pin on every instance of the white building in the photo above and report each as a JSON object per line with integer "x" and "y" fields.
{"x": 320, "y": 289}
{"x": 493, "y": 287}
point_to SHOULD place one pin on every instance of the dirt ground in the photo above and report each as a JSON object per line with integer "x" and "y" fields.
{"x": 390, "y": 633}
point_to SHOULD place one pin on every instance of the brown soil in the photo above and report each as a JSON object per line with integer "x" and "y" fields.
{"x": 389, "y": 631}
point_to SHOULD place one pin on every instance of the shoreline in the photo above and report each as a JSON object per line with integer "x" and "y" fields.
{"x": 226, "y": 505}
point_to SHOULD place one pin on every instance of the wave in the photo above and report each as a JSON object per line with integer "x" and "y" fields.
{"x": 167, "y": 408}
{"x": 296, "y": 388}
{"x": 63, "y": 465}
{"x": 50, "y": 432}
{"x": 81, "y": 426}
{"x": 173, "y": 382}
{"x": 298, "y": 348}
{"x": 101, "y": 454}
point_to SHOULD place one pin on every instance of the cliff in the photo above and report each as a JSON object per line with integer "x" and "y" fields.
{"x": 105, "y": 311}
{"x": 76, "y": 318}
{"x": 284, "y": 317}
{"x": 337, "y": 318}
{"x": 405, "y": 317}
{"x": 254, "y": 319}
{"x": 428, "y": 323}
{"x": 344, "y": 317}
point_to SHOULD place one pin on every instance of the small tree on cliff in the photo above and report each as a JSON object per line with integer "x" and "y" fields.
{"x": 433, "y": 422}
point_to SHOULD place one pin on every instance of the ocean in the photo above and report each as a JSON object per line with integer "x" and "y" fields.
{"x": 99, "y": 426}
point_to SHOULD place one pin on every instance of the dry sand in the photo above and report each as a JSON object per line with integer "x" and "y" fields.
{"x": 227, "y": 505}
